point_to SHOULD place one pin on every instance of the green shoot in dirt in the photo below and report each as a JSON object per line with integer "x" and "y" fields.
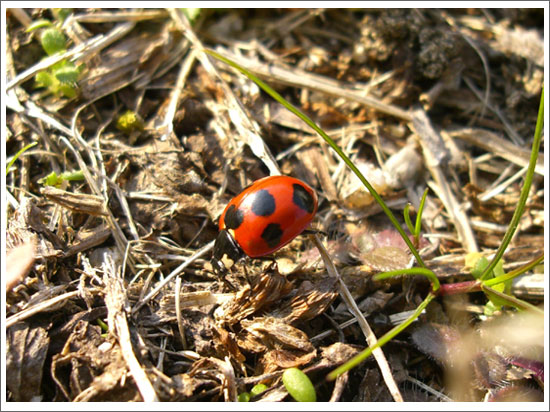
{"x": 60, "y": 79}
{"x": 17, "y": 155}
{"x": 129, "y": 122}
{"x": 53, "y": 179}
{"x": 415, "y": 230}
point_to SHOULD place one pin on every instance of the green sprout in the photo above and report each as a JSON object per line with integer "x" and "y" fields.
{"x": 61, "y": 78}
{"x": 53, "y": 179}
{"x": 129, "y": 122}
{"x": 298, "y": 385}
{"x": 17, "y": 155}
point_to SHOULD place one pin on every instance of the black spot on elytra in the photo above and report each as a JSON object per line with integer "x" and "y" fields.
{"x": 233, "y": 217}
{"x": 263, "y": 204}
{"x": 272, "y": 234}
{"x": 302, "y": 198}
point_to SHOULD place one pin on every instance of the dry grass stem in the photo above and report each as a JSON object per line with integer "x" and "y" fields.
{"x": 175, "y": 272}
{"x": 117, "y": 305}
{"x": 248, "y": 129}
{"x": 428, "y": 137}
{"x": 40, "y": 307}
{"x": 297, "y": 78}
{"x": 367, "y": 331}
{"x": 492, "y": 143}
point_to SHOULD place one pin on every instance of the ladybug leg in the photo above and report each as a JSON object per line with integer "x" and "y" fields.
{"x": 230, "y": 285}
{"x": 245, "y": 271}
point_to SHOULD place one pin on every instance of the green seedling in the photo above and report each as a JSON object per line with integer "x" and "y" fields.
{"x": 257, "y": 389}
{"x": 17, "y": 155}
{"x": 61, "y": 78}
{"x": 298, "y": 385}
{"x": 53, "y": 40}
{"x": 129, "y": 122}
{"x": 53, "y": 179}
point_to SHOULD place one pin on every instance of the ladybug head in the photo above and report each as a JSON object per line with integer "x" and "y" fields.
{"x": 225, "y": 248}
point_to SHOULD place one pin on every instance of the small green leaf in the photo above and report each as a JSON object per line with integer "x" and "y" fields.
{"x": 53, "y": 179}
{"x": 479, "y": 267}
{"x": 192, "y": 14}
{"x": 129, "y": 122}
{"x": 61, "y": 14}
{"x": 257, "y": 389}
{"x": 67, "y": 74}
{"x": 39, "y": 24}
{"x": 53, "y": 41}
{"x": 43, "y": 79}
{"x": 298, "y": 385}
{"x": 68, "y": 90}
{"x": 243, "y": 397}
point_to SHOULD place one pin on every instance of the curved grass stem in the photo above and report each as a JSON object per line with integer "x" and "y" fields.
{"x": 514, "y": 273}
{"x": 412, "y": 271}
{"x": 524, "y": 191}
{"x": 19, "y": 153}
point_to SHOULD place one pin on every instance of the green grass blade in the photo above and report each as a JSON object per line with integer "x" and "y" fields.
{"x": 418, "y": 225}
{"x": 407, "y": 217}
{"x": 510, "y": 275}
{"x": 524, "y": 191}
{"x": 19, "y": 153}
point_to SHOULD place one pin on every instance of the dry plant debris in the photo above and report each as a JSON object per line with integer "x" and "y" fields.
{"x": 110, "y": 294}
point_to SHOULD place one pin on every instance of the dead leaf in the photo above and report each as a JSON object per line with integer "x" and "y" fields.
{"x": 268, "y": 288}
{"x": 309, "y": 300}
{"x": 26, "y": 350}
{"x": 275, "y": 333}
{"x": 88, "y": 370}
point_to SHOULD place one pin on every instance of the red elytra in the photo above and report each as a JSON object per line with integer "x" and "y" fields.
{"x": 264, "y": 217}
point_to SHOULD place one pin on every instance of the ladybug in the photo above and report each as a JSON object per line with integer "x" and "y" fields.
{"x": 263, "y": 218}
